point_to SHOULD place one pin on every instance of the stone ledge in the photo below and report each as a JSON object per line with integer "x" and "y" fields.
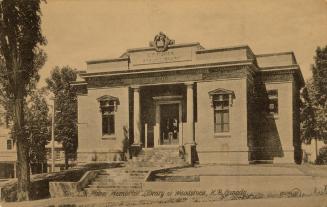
{"x": 69, "y": 189}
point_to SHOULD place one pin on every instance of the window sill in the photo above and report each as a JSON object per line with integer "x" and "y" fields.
{"x": 107, "y": 136}
{"x": 222, "y": 135}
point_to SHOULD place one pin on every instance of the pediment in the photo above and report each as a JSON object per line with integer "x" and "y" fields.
{"x": 221, "y": 91}
{"x": 108, "y": 98}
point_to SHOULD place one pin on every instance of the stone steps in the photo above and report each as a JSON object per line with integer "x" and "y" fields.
{"x": 133, "y": 175}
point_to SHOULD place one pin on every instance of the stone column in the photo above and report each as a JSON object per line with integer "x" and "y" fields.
{"x": 190, "y": 114}
{"x": 137, "y": 116}
{"x": 190, "y": 139}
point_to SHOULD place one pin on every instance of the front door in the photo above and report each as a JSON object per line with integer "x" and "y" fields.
{"x": 169, "y": 124}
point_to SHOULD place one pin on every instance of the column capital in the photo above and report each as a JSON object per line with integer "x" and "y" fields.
{"x": 135, "y": 88}
{"x": 189, "y": 84}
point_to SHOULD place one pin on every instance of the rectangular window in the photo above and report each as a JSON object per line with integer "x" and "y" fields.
{"x": 108, "y": 119}
{"x": 221, "y": 113}
{"x": 9, "y": 144}
{"x": 273, "y": 102}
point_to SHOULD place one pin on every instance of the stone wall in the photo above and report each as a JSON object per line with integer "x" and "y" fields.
{"x": 92, "y": 145}
{"x": 225, "y": 147}
{"x": 281, "y": 126}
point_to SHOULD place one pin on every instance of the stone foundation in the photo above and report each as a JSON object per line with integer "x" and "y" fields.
{"x": 223, "y": 157}
{"x": 288, "y": 157}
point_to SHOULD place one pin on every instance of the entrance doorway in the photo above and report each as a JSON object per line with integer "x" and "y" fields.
{"x": 169, "y": 124}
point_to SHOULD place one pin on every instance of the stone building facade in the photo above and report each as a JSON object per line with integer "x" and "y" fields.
{"x": 223, "y": 105}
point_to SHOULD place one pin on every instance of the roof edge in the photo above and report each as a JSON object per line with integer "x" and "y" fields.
{"x": 89, "y": 62}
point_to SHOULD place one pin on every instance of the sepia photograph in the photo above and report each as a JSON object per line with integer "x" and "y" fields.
{"x": 158, "y": 103}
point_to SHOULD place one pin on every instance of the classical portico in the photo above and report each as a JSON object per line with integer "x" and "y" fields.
{"x": 167, "y": 118}
{"x": 199, "y": 101}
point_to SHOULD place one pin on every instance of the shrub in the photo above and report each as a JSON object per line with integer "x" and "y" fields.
{"x": 322, "y": 156}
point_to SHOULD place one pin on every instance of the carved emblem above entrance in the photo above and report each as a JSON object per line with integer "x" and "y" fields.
{"x": 161, "y": 42}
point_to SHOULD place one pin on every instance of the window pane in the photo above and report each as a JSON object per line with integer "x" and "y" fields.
{"x": 218, "y": 117}
{"x": 226, "y": 127}
{"x": 273, "y": 101}
{"x": 218, "y": 128}
{"x": 9, "y": 144}
{"x": 105, "y": 125}
{"x": 225, "y": 117}
{"x": 273, "y": 106}
{"x": 111, "y": 124}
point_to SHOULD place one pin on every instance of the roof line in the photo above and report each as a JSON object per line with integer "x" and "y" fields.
{"x": 105, "y": 60}
{"x": 275, "y": 54}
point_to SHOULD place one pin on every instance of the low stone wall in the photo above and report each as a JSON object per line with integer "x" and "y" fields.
{"x": 40, "y": 182}
{"x": 151, "y": 176}
{"x": 70, "y": 189}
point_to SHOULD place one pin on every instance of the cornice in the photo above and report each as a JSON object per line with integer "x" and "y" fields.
{"x": 169, "y": 47}
{"x": 106, "y": 60}
{"x": 170, "y": 68}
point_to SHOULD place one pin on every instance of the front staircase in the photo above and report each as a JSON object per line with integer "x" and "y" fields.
{"x": 132, "y": 176}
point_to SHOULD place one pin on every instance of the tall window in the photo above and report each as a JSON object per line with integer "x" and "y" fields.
{"x": 221, "y": 112}
{"x": 273, "y": 102}
{"x": 108, "y": 106}
{"x": 9, "y": 144}
{"x": 108, "y": 118}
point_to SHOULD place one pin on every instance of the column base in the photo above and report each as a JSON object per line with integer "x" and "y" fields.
{"x": 190, "y": 153}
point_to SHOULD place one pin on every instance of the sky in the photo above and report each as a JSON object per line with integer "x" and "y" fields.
{"x": 81, "y": 30}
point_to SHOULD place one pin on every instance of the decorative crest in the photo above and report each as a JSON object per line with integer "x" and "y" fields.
{"x": 161, "y": 42}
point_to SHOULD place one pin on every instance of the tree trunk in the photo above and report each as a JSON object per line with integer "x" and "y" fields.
{"x": 23, "y": 172}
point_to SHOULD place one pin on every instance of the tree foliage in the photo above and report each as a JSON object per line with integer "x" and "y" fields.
{"x": 66, "y": 109}
{"x": 37, "y": 126}
{"x": 20, "y": 60}
{"x": 308, "y": 113}
{"x": 314, "y": 101}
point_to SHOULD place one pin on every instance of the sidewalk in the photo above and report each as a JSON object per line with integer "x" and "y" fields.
{"x": 251, "y": 170}
{"x": 315, "y": 201}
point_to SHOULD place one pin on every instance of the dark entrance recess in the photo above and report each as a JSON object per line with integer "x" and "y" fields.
{"x": 169, "y": 124}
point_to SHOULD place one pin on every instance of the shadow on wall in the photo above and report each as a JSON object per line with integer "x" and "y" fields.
{"x": 266, "y": 143}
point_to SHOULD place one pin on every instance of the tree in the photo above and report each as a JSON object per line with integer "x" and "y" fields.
{"x": 20, "y": 39}
{"x": 319, "y": 75}
{"x": 314, "y": 101}
{"x": 319, "y": 80}
{"x": 66, "y": 109}
{"x": 37, "y": 128}
{"x": 308, "y": 111}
